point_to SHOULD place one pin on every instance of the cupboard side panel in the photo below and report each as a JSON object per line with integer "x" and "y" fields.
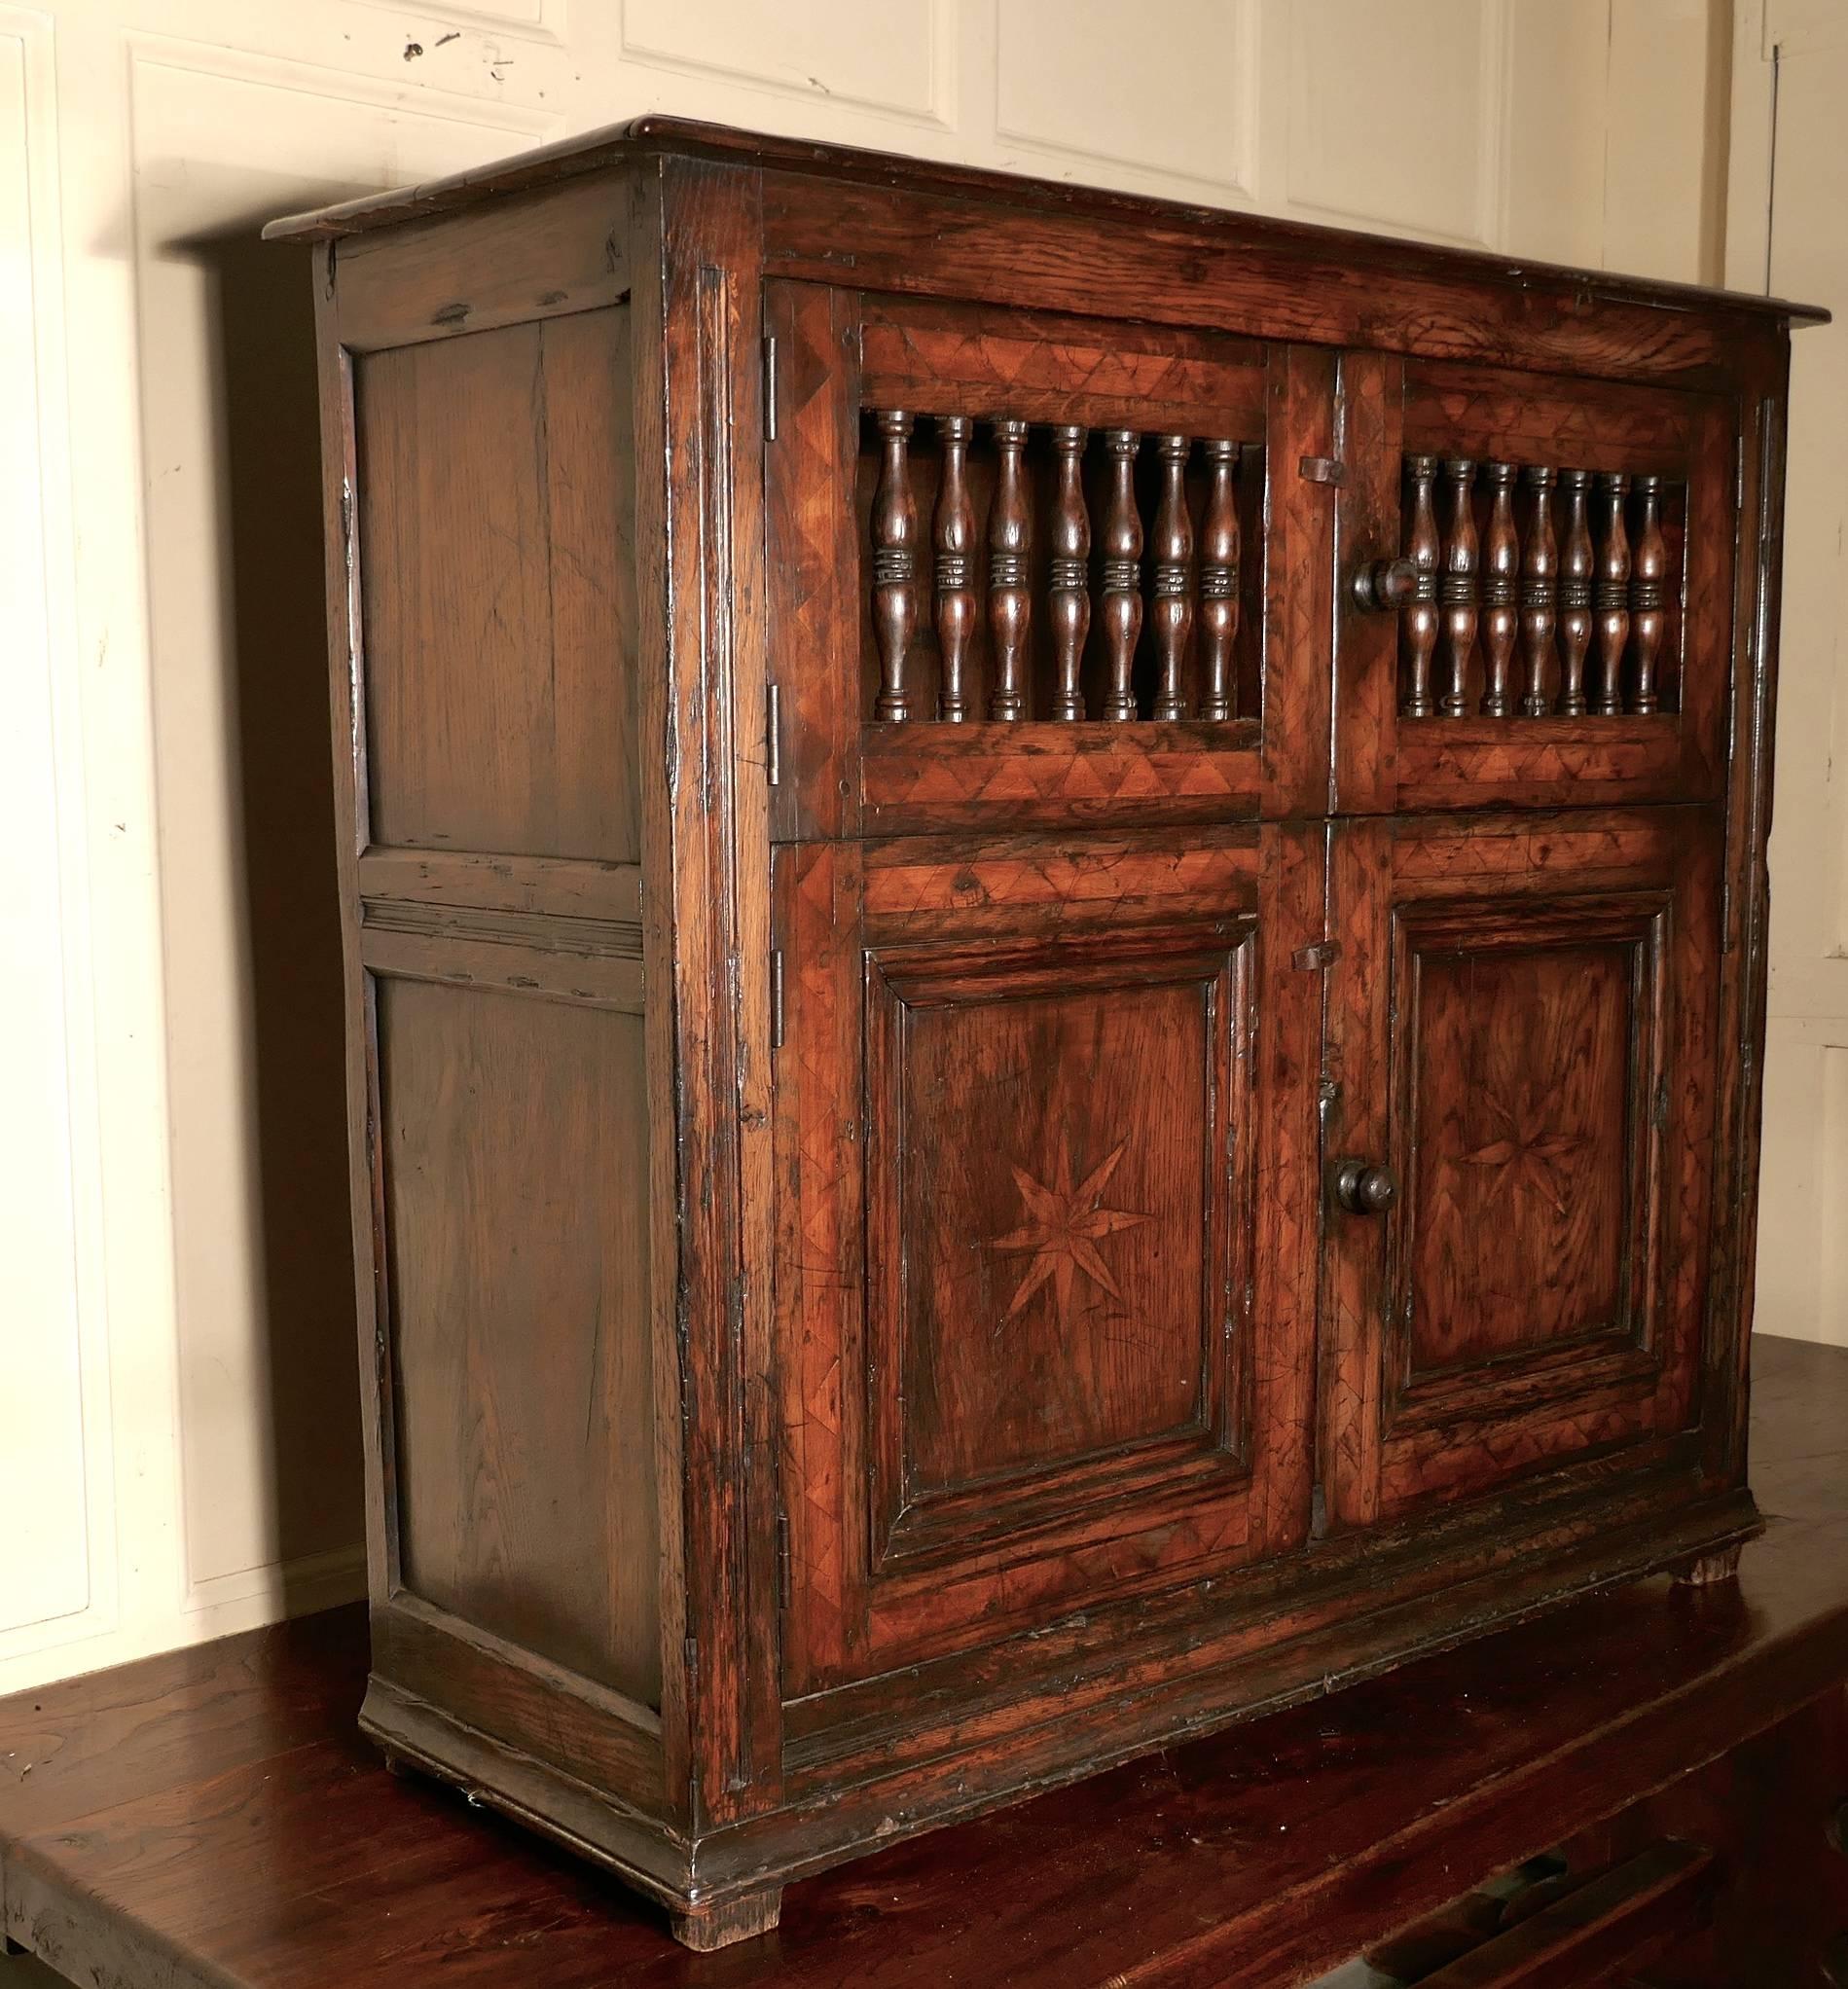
{"x": 482, "y": 503}
{"x": 496, "y": 542}
{"x": 513, "y": 1144}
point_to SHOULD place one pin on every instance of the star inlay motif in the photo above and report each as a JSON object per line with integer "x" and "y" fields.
{"x": 1062, "y": 1228}
{"x": 1530, "y": 1152}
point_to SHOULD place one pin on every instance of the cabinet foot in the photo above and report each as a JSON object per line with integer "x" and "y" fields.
{"x": 1722, "y": 1565}
{"x": 718, "y": 1925}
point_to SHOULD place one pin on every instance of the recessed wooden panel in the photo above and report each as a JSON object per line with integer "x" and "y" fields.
{"x": 515, "y": 1155}
{"x": 1054, "y": 1219}
{"x": 1037, "y": 1309}
{"x": 497, "y": 576}
{"x": 1520, "y": 1128}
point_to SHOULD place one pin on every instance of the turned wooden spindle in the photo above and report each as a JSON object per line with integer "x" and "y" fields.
{"x": 1218, "y": 579}
{"x": 894, "y": 526}
{"x": 1500, "y": 565}
{"x": 1172, "y": 613}
{"x": 1576, "y": 564}
{"x": 1457, "y": 588}
{"x": 1009, "y": 603}
{"x": 1540, "y": 579}
{"x": 1120, "y": 605}
{"x": 1067, "y": 600}
{"x": 1424, "y": 550}
{"x": 1610, "y": 593}
{"x": 953, "y": 545}
{"x": 1646, "y": 577}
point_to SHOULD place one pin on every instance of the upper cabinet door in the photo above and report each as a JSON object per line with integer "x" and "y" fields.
{"x": 1534, "y": 599}
{"x": 1031, "y": 569}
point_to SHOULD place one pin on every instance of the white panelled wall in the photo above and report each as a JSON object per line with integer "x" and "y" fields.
{"x": 1785, "y": 233}
{"x": 179, "y": 1453}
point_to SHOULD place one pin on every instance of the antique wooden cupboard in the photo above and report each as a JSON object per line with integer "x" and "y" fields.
{"x": 1055, "y": 919}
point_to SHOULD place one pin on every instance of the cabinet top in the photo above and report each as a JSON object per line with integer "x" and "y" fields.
{"x": 654, "y": 135}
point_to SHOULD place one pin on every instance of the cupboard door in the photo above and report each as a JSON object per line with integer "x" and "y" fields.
{"x": 1045, "y": 1290}
{"x": 1032, "y": 569}
{"x": 1560, "y": 625}
{"x": 1523, "y": 1041}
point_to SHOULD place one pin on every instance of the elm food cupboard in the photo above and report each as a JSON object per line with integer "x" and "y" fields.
{"x": 1055, "y": 918}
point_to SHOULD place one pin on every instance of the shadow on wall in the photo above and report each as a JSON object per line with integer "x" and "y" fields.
{"x": 269, "y": 531}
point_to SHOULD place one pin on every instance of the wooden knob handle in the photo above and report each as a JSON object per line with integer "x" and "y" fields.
{"x": 1363, "y": 1187}
{"x": 1384, "y": 584}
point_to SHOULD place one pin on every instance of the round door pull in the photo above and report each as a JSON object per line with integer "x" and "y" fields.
{"x": 1365, "y": 1188}
{"x": 1381, "y": 584}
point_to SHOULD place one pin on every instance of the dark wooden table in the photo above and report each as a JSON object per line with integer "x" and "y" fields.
{"x": 212, "y": 1818}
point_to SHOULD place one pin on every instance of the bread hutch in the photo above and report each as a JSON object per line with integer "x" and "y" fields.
{"x": 1055, "y": 949}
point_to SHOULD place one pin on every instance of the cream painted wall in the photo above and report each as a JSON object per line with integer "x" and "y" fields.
{"x": 1786, "y": 234}
{"x": 179, "y": 1456}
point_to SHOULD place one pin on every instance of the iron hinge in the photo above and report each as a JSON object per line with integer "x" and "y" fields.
{"x": 1324, "y": 953}
{"x": 1725, "y": 915}
{"x": 776, "y": 998}
{"x": 1738, "y": 471}
{"x": 782, "y": 1561}
{"x": 773, "y": 735}
{"x": 1323, "y": 469}
{"x": 770, "y": 386}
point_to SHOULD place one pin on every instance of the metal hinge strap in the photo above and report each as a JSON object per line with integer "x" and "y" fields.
{"x": 770, "y": 386}
{"x": 776, "y": 999}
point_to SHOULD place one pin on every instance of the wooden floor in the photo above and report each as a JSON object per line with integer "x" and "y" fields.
{"x": 212, "y": 1818}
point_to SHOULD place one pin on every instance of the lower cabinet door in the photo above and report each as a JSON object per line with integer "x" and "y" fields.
{"x": 1523, "y": 1052}
{"x": 1046, "y": 1119}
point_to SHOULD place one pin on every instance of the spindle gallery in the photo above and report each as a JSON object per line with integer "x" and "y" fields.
{"x": 1055, "y": 957}
{"x": 1177, "y": 586}
{"x": 1485, "y": 570}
